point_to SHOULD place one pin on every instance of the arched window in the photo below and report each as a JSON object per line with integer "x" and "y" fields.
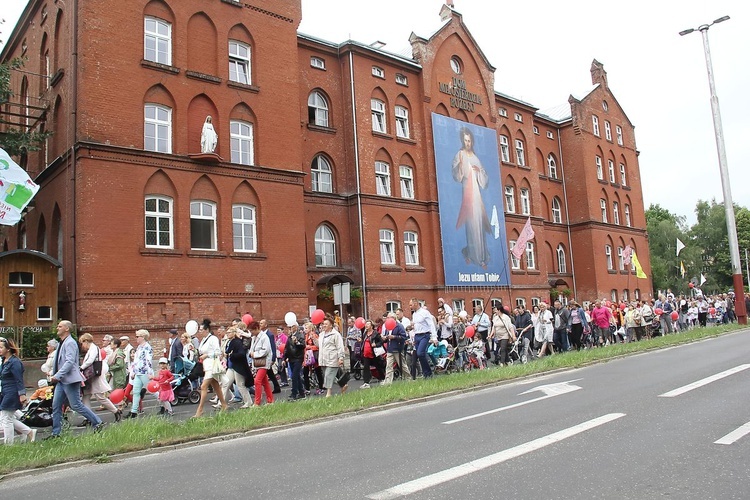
{"x": 407, "y": 181}
{"x": 599, "y": 168}
{"x": 321, "y": 174}
{"x": 241, "y": 142}
{"x": 510, "y": 199}
{"x": 244, "y": 228}
{"x": 157, "y": 128}
{"x": 202, "y": 225}
{"x": 608, "y": 255}
{"x": 603, "y": 205}
{"x": 239, "y": 62}
{"x": 157, "y": 43}
{"x": 561, "y": 264}
{"x": 325, "y": 247}
{"x": 551, "y": 167}
{"x": 504, "y": 149}
{"x": 383, "y": 178}
{"x": 387, "y": 247}
{"x": 377, "y": 108}
{"x": 627, "y": 215}
{"x": 317, "y": 109}
{"x": 556, "y": 210}
{"x": 411, "y": 248}
{"x": 525, "y": 201}
{"x": 520, "y": 156}
{"x": 530, "y": 260}
{"x": 402, "y": 122}
{"x": 159, "y": 222}
{"x": 616, "y": 213}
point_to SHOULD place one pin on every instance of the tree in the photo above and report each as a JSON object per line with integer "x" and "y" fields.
{"x": 14, "y": 140}
{"x": 663, "y": 229}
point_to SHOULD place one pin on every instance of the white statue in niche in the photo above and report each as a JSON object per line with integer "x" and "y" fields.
{"x": 208, "y": 137}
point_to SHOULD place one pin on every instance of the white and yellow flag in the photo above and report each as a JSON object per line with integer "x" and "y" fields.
{"x": 16, "y": 190}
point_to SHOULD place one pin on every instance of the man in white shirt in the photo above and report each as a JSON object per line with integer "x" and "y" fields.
{"x": 424, "y": 332}
{"x": 482, "y": 324}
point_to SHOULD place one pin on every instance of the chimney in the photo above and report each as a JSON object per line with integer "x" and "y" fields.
{"x": 598, "y": 75}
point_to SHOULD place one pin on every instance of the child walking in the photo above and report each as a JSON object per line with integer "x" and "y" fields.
{"x": 166, "y": 394}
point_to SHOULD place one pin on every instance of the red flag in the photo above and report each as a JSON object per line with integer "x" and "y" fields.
{"x": 627, "y": 254}
{"x": 527, "y": 234}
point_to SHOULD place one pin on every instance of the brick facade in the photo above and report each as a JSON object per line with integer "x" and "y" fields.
{"x": 95, "y": 173}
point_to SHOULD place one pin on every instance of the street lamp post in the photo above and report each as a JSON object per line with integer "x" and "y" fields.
{"x": 734, "y": 247}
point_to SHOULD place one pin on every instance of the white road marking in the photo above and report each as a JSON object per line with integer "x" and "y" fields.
{"x": 488, "y": 461}
{"x": 734, "y": 435}
{"x": 549, "y": 390}
{"x": 705, "y": 381}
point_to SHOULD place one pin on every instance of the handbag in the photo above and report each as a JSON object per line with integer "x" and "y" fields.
{"x": 219, "y": 368}
{"x": 97, "y": 366}
{"x": 88, "y": 373}
{"x": 309, "y": 359}
{"x": 378, "y": 351}
{"x": 259, "y": 362}
{"x": 342, "y": 377}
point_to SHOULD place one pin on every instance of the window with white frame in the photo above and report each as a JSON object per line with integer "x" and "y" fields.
{"x": 623, "y": 177}
{"x": 551, "y": 167}
{"x": 402, "y": 122}
{"x": 378, "y": 71}
{"x": 378, "y": 115}
{"x": 535, "y": 301}
{"x": 241, "y": 142}
{"x": 550, "y": 135}
{"x": 157, "y": 42}
{"x": 616, "y": 213}
{"x": 325, "y": 247}
{"x": 317, "y": 62}
{"x": 613, "y": 295}
{"x": 2, "y": 313}
{"x": 637, "y": 294}
{"x": 618, "y": 131}
{"x": 556, "y": 210}
{"x": 525, "y": 201}
{"x": 514, "y": 262}
{"x": 504, "y": 149}
{"x": 477, "y": 302}
{"x": 321, "y": 175}
{"x": 503, "y": 112}
{"x": 458, "y": 305}
{"x": 496, "y": 303}
{"x": 239, "y": 62}
{"x": 401, "y": 79}
{"x": 317, "y": 109}
{"x": 627, "y": 215}
{"x": 519, "y": 152}
{"x": 387, "y": 247}
{"x": 611, "y": 166}
{"x": 159, "y": 222}
{"x": 599, "y": 168}
{"x": 595, "y": 123}
{"x": 536, "y": 130}
{"x": 603, "y": 205}
{"x": 21, "y": 279}
{"x": 407, "y": 181}
{"x": 518, "y": 117}
{"x": 607, "y": 130}
{"x": 383, "y": 178}
{"x": 510, "y": 199}
{"x": 520, "y": 301}
{"x": 562, "y": 267}
{"x": 608, "y": 255}
{"x": 392, "y": 306}
{"x": 157, "y": 128}
{"x": 625, "y": 295}
{"x": 620, "y": 259}
{"x": 411, "y": 248}
{"x": 44, "y": 313}
{"x": 202, "y": 225}
{"x": 530, "y": 261}
{"x": 244, "y": 233}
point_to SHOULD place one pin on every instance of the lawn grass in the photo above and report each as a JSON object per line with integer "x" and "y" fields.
{"x": 152, "y": 432}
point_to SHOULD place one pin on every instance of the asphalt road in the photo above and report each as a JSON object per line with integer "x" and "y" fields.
{"x": 623, "y": 429}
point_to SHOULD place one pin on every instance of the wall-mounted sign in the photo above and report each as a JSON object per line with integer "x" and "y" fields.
{"x": 460, "y": 97}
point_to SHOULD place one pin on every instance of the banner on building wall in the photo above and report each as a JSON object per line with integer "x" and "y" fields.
{"x": 16, "y": 190}
{"x": 472, "y": 220}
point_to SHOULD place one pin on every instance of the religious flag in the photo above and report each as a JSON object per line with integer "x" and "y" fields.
{"x": 16, "y": 190}
{"x": 527, "y": 234}
{"x": 627, "y": 253}
{"x": 680, "y": 246}
{"x": 638, "y": 269}
{"x": 703, "y": 280}
{"x": 682, "y": 268}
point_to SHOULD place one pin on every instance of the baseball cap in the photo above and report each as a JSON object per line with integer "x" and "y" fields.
{"x": 163, "y": 360}
{"x": 124, "y": 337}
{"x": 173, "y": 331}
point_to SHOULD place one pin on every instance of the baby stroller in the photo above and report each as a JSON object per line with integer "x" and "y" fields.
{"x": 38, "y": 413}
{"x": 183, "y": 390}
{"x": 514, "y": 353}
{"x": 356, "y": 363}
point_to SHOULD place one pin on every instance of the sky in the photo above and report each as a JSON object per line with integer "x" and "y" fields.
{"x": 543, "y": 51}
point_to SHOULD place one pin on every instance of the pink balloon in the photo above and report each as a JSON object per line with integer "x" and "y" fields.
{"x": 390, "y": 324}
{"x": 470, "y": 332}
{"x": 317, "y": 316}
{"x": 153, "y": 386}
{"x": 359, "y": 322}
{"x": 117, "y": 396}
{"x": 247, "y": 319}
{"x": 622, "y": 307}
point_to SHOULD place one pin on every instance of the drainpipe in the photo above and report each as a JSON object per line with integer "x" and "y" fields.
{"x": 567, "y": 214}
{"x": 74, "y": 114}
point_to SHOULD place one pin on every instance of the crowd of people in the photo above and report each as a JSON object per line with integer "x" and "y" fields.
{"x": 243, "y": 360}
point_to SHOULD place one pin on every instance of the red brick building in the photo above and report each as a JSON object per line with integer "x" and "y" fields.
{"x": 323, "y": 171}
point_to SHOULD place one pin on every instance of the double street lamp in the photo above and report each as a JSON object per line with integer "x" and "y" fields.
{"x": 734, "y": 247}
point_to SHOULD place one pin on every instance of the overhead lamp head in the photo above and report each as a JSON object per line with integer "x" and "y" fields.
{"x": 721, "y": 19}
{"x": 686, "y": 32}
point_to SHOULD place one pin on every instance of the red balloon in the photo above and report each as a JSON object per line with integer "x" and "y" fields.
{"x": 712, "y": 310}
{"x": 281, "y": 348}
{"x": 317, "y": 316}
{"x": 117, "y": 396}
{"x": 470, "y": 331}
{"x": 658, "y": 311}
{"x": 359, "y": 322}
{"x": 103, "y": 353}
{"x": 153, "y": 386}
{"x": 691, "y": 285}
{"x": 622, "y": 307}
{"x": 674, "y": 315}
{"x": 506, "y": 309}
{"x": 247, "y": 319}
{"x": 390, "y": 324}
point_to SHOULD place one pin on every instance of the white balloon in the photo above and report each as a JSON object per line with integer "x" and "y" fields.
{"x": 463, "y": 315}
{"x": 191, "y": 327}
{"x": 290, "y": 318}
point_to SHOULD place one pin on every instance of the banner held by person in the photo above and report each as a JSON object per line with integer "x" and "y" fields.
{"x": 16, "y": 190}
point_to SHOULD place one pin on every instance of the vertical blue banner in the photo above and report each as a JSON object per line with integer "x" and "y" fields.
{"x": 470, "y": 198}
